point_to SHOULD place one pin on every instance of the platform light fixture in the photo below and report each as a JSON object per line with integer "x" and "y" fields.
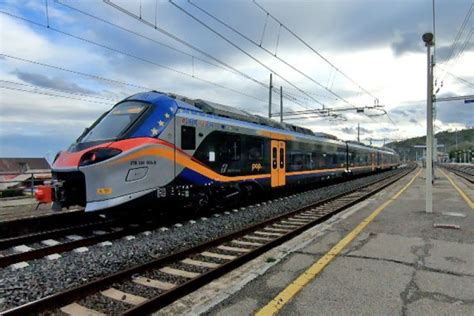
{"x": 428, "y": 39}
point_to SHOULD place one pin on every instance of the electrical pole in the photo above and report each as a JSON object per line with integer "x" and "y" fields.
{"x": 456, "y": 132}
{"x": 270, "y": 97}
{"x": 428, "y": 39}
{"x": 358, "y": 132}
{"x": 281, "y": 104}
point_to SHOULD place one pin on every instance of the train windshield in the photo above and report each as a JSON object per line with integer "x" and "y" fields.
{"x": 115, "y": 122}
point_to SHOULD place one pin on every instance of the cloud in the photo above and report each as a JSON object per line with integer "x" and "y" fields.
{"x": 51, "y": 82}
{"x": 408, "y": 42}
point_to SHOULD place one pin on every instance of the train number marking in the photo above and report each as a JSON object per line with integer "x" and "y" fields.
{"x": 142, "y": 162}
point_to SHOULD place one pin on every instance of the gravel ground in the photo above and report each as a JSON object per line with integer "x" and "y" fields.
{"x": 43, "y": 277}
{"x": 208, "y": 259}
{"x": 138, "y": 289}
{"x": 165, "y": 277}
{"x": 103, "y": 304}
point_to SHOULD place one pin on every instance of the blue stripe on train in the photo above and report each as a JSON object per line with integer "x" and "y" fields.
{"x": 194, "y": 177}
{"x": 199, "y": 179}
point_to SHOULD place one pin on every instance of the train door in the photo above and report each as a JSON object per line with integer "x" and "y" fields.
{"x": 278, "y": 174}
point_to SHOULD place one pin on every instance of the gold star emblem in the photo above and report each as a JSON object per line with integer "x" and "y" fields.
{"x": 154, "y": 132}
{"x": 161, "y": 123}
{"x": 167, "y": 115}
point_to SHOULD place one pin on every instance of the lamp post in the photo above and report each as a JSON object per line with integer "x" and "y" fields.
{"x": 428, "y": 39}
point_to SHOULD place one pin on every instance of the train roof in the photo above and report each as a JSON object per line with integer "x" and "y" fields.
{"x": 387, "y": 149}
{"x": 238, "y": 114}
{"x": 359, "y": 145}
{"x": 382, "y": 149}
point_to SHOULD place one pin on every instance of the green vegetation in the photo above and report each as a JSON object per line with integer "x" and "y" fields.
{"x": 465, "y": 141}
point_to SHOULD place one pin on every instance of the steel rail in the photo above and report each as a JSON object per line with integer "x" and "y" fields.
{"x": 67, "y": 246}
{"x": 461, "y": 171}
{"x": 35, "y": 237}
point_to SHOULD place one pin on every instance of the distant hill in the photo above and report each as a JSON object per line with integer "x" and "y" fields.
{"x": 465, "y": 140}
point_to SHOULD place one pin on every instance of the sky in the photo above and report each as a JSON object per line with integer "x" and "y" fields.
{"x": 65, "y": 62}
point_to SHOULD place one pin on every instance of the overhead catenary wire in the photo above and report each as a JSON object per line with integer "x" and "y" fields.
{"x": 118, "y": 82}
{"x": 463, "y": 47}
{"x": 461, "y": 29}
{"x": 176, "y": 38}
{"x": 134, "y": 57}
{"x": 280, "y": 59}
{"x": 313, "y": 49}
{"x": 95, "y": 77}
{"x": 59, "y": 90}
{"x": 220, "y": 64}
{"x": 457, "y": 39}
{"x": 101, "y": 45}
{"x": 458, "y": 56}
{"x": 54, "y": 95}
{"x": 227, "y": 25}
{"x": 140, "y": 35}
{"x": 251, "y": 56}
{"x": 471, "y": 84}
{"x": 182, "y": 41}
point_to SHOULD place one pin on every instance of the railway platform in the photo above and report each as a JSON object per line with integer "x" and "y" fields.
{"x": 382, "y": 256}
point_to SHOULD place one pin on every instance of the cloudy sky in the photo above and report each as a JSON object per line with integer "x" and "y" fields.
{"x": 64, "y": 62}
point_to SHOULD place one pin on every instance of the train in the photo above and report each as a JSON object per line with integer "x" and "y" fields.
{"x": 157, "y": 148}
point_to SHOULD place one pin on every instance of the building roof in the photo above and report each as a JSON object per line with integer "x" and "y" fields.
{"x": 19, "y": 165}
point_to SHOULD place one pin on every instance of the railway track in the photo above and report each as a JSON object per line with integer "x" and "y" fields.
{"x": 464, "y": 171}
{"x": 148, "y": 287}
{"x": 53, "y": 242}
{"x": 24, "y": 248}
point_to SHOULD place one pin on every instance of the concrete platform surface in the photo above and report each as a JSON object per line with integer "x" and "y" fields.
{"x": 400, "y": 264}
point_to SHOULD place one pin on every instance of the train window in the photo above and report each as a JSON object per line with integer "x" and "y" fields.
{"x": 229, "y": 148}
{"x": 188, "y": 137}
{"x": 254, "y": 147}
{"x": 116, "y": 122}
{"x": 282, "y": 158}
{"x": 274, "y": 157}
{"x": 297, "y": 161}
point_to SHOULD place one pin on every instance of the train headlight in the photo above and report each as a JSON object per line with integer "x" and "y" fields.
{"x": 98, "y": 155}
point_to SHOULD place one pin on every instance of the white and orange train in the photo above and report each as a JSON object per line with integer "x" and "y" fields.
{"x": 154, "y": 147}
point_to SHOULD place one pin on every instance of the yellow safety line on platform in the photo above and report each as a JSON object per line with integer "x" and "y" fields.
{"x": 461, "y": 192}
{"x": 284, "y": 297}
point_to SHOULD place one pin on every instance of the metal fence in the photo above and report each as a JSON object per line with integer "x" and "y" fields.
{"x": 22, "y": 180}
